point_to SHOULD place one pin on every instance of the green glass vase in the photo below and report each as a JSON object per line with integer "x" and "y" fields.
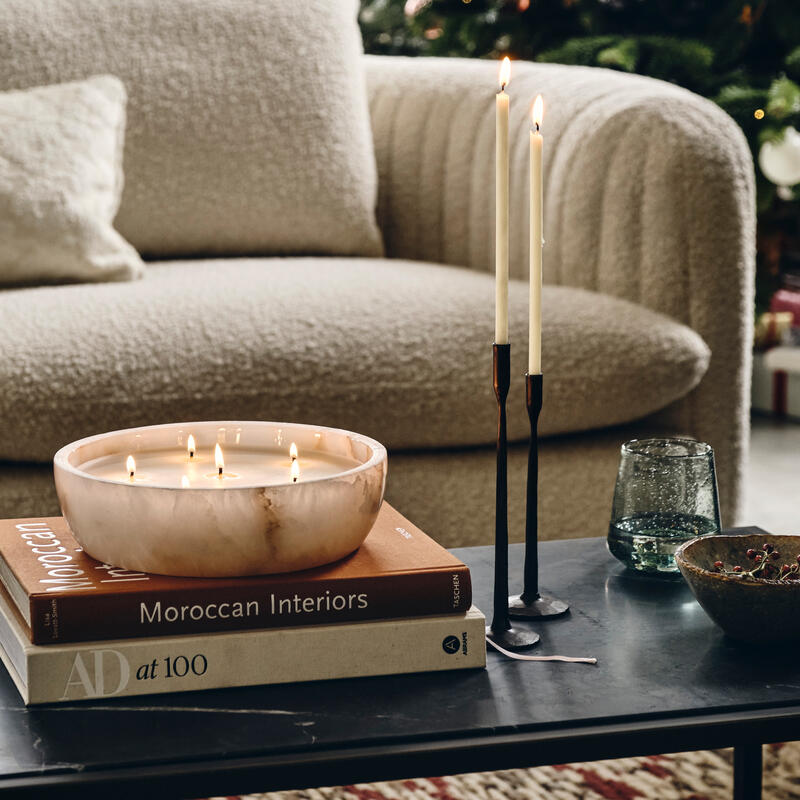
{"x": 666, "y": 494}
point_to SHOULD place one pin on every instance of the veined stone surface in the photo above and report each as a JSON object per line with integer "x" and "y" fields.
{"x": 237, "y": 528}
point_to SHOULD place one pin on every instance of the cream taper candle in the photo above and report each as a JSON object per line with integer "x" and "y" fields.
{"x": 501, "y": 207}
{"x": 536, "y": 242}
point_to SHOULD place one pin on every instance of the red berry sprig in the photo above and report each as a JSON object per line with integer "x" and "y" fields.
{"x": 764, "y": 566}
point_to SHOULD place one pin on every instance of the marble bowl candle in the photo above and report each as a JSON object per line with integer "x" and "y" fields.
{"x": 214, "y": 499}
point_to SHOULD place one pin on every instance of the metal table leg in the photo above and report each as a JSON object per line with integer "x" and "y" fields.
{"x": 747, "y": 772}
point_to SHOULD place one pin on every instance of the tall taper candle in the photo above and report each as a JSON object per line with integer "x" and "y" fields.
{"x": 501, "y": 207}
{"x": 536, "y": 242}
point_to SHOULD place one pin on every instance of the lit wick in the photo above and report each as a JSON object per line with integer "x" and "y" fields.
{"x": 537, "y": 112}
{"x": 190, "y": 446}
{"x": 130, "y": 465}
{"x": 505, "y": 73}
{"x": 293, "y": 452}
{"x": 295, "y": 471}
{"x": 219, "y": 460}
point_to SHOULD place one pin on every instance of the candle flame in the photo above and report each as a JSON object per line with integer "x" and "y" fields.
{"x": 184, "y": 482}
{"x": 295, "y": 472}
{"x": 537, "y": 112}
{"x": 219, "y": 461}
{"x": 190, "y": 446}
{"x": 505, "y": 73}
{"x": 293, "y": 452}
{"x": 130, "y": 466}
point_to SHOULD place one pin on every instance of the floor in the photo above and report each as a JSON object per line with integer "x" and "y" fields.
{"x": 773, "y": 477}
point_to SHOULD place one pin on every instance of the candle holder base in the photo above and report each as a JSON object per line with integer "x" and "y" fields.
{"x": 538, "y": 608}
{"x": 513, "y": 638}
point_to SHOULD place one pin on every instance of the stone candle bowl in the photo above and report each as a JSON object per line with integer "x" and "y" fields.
{"x": 216, "y": 532}
{"x": 753, "y": 610}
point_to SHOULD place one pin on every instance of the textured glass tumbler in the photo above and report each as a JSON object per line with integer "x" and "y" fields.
{"x": 666, "y": 494}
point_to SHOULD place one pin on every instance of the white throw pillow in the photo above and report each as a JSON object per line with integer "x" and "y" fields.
{"x": 248, "y": 126}
{"x": 61, "y": 183}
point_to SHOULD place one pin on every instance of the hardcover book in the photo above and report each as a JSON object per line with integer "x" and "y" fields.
{"x": 126, "y": 667}
{"x": 63, "y": 595}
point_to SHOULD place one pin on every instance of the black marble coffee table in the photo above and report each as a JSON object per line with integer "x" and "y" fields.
{"x": 667, "y": 680}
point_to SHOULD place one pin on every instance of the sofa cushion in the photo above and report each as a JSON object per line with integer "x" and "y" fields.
{"x": 248, "y": 128}
{"x": 60, "y": 183}
{"x": 398, "y": 350}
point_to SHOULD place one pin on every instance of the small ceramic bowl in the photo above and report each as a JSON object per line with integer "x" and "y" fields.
{"x": 753, "y": 610}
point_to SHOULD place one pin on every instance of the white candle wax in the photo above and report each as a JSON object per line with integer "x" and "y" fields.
{"x": 536, "y": 242}
{"x": 501, "y": 208}
{"x": 243, "y": 467}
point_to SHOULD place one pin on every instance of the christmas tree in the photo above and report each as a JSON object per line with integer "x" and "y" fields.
{"x": 745, "y": 56}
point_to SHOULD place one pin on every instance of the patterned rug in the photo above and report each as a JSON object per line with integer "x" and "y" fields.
{"x": 704, "y": 775}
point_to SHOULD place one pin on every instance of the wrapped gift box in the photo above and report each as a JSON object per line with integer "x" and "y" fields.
{"x": 776, "y": 381}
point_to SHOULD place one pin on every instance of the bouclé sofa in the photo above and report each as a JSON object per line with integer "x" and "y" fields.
{"x": 648, "y": 263}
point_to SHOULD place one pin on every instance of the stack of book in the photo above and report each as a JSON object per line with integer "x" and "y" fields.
{"x": 72, "y": 628}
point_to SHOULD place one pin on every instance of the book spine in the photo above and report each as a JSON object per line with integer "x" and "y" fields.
{"x": 123, "y": 615}
{"x": 63, "y": 673}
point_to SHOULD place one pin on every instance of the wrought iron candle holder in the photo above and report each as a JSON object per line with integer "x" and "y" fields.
{"x": 531, "y": 604}
{"x": 500, "y": 631}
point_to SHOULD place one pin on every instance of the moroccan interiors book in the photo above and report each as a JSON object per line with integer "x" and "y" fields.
{"x": 58, "y": 673}
{"x": 63, "y": 595}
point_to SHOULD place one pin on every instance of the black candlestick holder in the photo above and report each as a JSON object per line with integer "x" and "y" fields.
{"x": 530, "y": 604}
{"x": 500, "y": 631}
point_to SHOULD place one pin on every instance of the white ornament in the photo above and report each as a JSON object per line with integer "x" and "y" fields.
{"x": 780, "y": 161}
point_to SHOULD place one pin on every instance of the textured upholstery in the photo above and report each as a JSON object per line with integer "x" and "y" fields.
{"x": 61, "y": 182}
{"x": 248, "y": 128}
{"x": 648, "y": 196}
{"x": 451, "y": 493}
{"x": 398, "y": 350}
